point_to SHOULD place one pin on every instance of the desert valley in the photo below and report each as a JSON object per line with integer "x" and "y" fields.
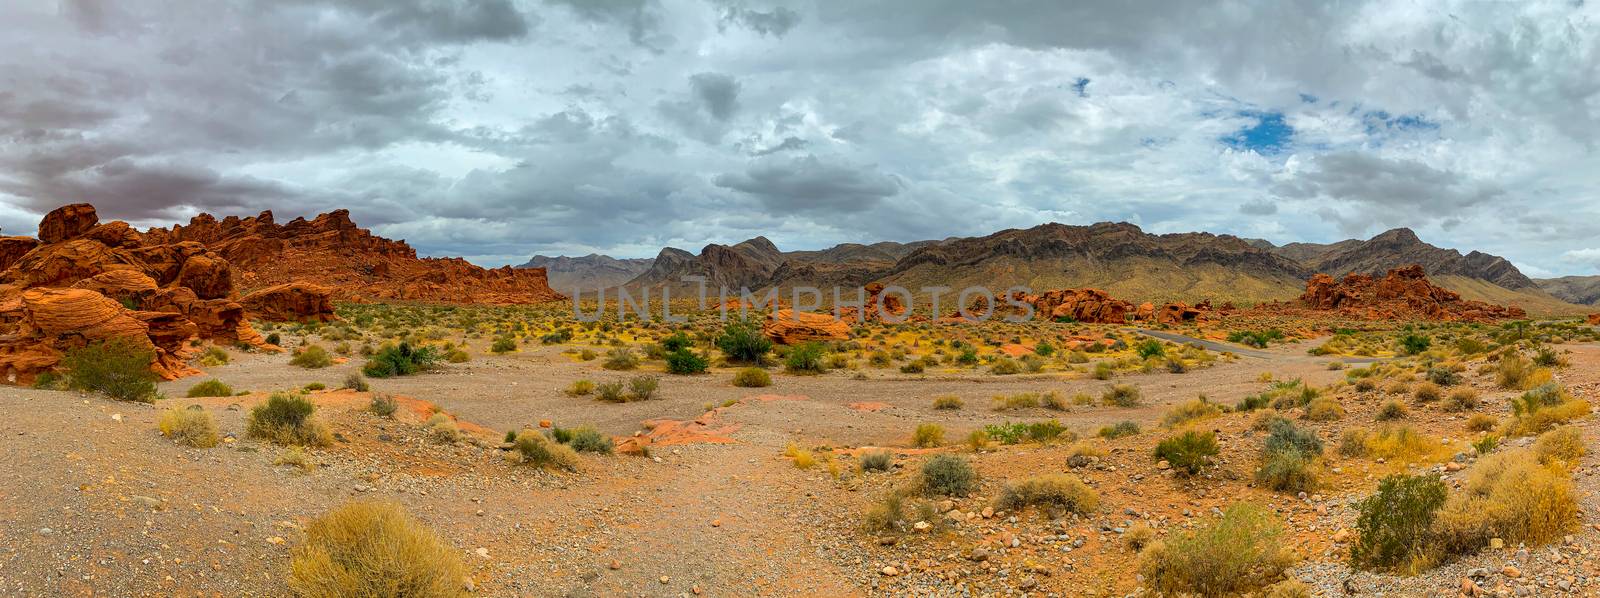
{"x": 205, "y": 409}
{"x": 799, "y": 298}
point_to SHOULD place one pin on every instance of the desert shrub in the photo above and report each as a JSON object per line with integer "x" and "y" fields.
{"x": 742, "y": 342}
{"x": 373, "y": 549}
{"x": 1255, "y": 338}
{"x": 1323, "y": 409}
{"x": 1104, "y": 371}
{"x": 1547, "y": 357}
{"x": 586, "y": 439}
{"x": 1413, "y": 344}
{"x": 1443, "y": 376}
{"x": 914, "y": 367}
{"x": 286, "y": 418}
{"x": 537, "y": 450}
{"x": 877, "y": 461}
{"x": 1427, "y": 392}
{"x": 399, "y": 360}
{"x": 948, "y": 475}
{"x": 1077, "y": 357}
{"x": 1188, "y": 452}
{"x": 888, "y": 514}
{"x": 1511, "y": 496}
{"x": 611, "y": 392}
{"x": 355, "y": 382}
{"x": 752, "y": 378}
{"x": 1461, "y": 399}
{"x": 191, "y": 426}
{"x": 1284, "y": 436}
{"x": 1118, "y": 430}
{"x": 453, "y": 356}
{"x": 928, "y": 435}
{"x": 117, "y": 368}
{"x": 1365, "y": 385}
{"x": 805, "y": 358}
{"x": 590, "y": 355}
{"x": 620, "y": 358}
{"x": 504, "y": 344}
{"x": 1544, "y": 407}
{"x": 642, "y": 388}
{"x": 311, "y": 386}
{"x": 443, "y": 429}
{"x": 1053, "y": 401}
{"x": 295, "y": 456}
{"x": 1122, "y": 395}
{"x": 1388, "y": 442}
{"x": 1485, "y": 445}
{"x": 947, "y": 403}
{"x": 1237, "y": 553}
{"x": 1287, "y": 471}
{"x": 1481, "y": 422}
{"x": 684, "y": 362}
{"x": 210, "y": 388}
{"x": 581, "y": 388}
{"x": 1253, "y": 402}
{"x": 1150, "y": 348}
{"x": 1563, "y": 444}
{"x": 1139, "y": 536}
{"x": 313, "y": 357}
{"x": 383, "y": 405}
{"x": 1392, "y": 410}
{"x": 274, "y": 340}
{"x": 213, "y": 356}
{"x": 1191, "y": 410}
{"x": 1005, "y": 366}
{"x": 1393, "y": 524}
{"x": 676, "y": 341}
{"x": 1057, "y": 492}
{"x": 1024, "y": 400}
{"x": 1512, "y": 372}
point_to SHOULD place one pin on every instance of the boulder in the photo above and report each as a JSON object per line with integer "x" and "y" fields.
{"x": 67, "y": 222}
{"x": 291, "y": 302}
{"x": 1594, "y": 319}
{"x": 13, "y": 248}
{"x": 789, "y": 327}
{"x": 1177, "y": 312}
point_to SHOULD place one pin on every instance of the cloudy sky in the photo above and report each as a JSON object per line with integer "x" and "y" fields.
{"x": 496, "y": 129}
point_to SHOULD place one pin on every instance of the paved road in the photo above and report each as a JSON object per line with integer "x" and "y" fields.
{"x": 1239, "y": 349}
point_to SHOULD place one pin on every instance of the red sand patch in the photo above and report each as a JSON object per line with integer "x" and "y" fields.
{"x": 667, "y": 432}
{"x": 1015, "y": 350}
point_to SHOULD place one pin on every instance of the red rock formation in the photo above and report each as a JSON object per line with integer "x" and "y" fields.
{"x": 13, "y": 248}
{"x": 358, "y": 266}
{"x": 871, "y": 312}
{"x": 67, "y": 222}
{"x": 1092, "y": 306}
{"x": 100, "y": 281}
{"x": 1178, "y": 313}
{"x": 296, "y": 301}
{"x": 789, "y": 327}
{"x": 1404, "y": 293}
{"x": 1594, "y": 319}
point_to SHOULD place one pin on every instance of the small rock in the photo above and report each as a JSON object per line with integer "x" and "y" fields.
{"x": 1511, "y": 572}
{"x": 889, "y": 571}
{"x": 615, "y": 564}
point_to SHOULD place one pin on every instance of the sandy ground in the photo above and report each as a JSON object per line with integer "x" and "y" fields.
{"x": 94, "y": 502}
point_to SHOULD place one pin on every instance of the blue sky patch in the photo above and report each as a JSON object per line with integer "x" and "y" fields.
{"x": 1269, "y": 135}
{"x": 1081, "y": 87}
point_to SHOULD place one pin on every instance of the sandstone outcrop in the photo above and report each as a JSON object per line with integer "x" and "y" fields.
{"x": 1403, "y": 293}
{"x": 789, "y": 327}
{"x": 1594, "y": 319}
{"x": 293, "y": 301}
{"x": 354, "y": 264}
{"x": 1090, "y": 306}
{"x": 875, "y": 306}
{"x": 84, "y": 282}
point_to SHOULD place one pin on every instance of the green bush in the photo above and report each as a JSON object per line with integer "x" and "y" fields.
{"x": 586, "y": 439}
{"x": 383, "y": 405}
{"x": 539, "y": 451}
{"x": 286, "y": 418}
{"x": 1005, "y": 366}
{"x": 685, "y": 362}
{"x": 355, "y": 382}
{"x": 400, "y": 360}
{"x": 313, "y": 357}
{"x": 1188, "y": 452}
{"x": 504, "y": 344}
{"x": 1393, "y": 524}
{"x": 675, "y": 342}
{"x": 1287, "y": 471}
{"x": 611, "y": 392}
{"x": 191, "y": 426}
{"x": 805, "y": 359}
{"x": 1236, "y": 554}
{"x": 752, "y": 378}
{"x": 1150, "y": 348}
{"x": 948, "y": 403}
{"x": 118, "y": 368}
{"x": 948, "y": 475}
{"x": 1284, "y": 436}
{"x": 210, "y": 388}
{"x": 742, "y": 342}
{"x": 1413, "y": 344}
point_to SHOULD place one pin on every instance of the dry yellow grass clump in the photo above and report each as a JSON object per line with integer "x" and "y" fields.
{"x": 191, "y": 426}
{"x": 374, "y": 549}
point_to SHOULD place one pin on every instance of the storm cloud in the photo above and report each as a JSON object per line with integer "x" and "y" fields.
{"x": 496, "y": 129}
